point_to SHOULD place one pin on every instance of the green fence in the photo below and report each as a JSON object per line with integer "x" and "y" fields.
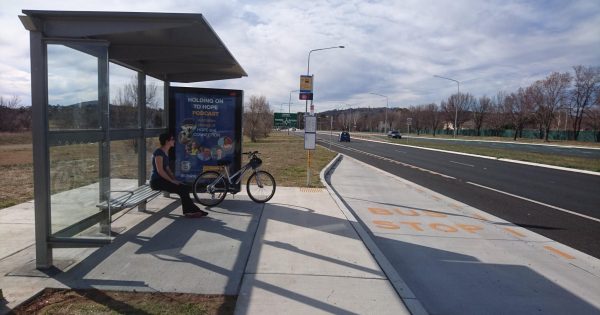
{"x": 584, "y": 136}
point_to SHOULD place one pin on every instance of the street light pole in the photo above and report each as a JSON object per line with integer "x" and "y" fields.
{"x": 386, "y": 110}
{"x": 455, "y": 105}
{"x": 308, "y": 68}
{"x": 306, "y": 108}
{"x": 330, "y": 131}
{"x": 289, "y": 105}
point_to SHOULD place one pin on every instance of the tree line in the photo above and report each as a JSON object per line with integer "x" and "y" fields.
{"x": 13, "y": 116}
{"x": 569, "y": 102}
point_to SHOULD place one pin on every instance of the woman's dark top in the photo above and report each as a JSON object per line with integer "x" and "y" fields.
{"x": 165, "y": 162}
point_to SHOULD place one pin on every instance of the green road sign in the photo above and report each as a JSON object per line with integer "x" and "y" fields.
{"x": 285, "y": 120}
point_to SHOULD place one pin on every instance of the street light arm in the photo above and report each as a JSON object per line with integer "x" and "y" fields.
{"x": 439, "y": 76}
{"x": 456, "y": 105}
{"x": 377, "y": 94}
{"x": 386, "y": 108}
{"x": 290, "y": 101}
{"x": 310, "y": 52}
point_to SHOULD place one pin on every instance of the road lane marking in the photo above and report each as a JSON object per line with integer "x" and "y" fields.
{"x": 465, "y": 164}
{"x": 539, "y": 203}
{"x": 455, "y": 206}
{"x": 401, "y": 151}
{"x": 558, "y": 252}
{"x": 516, "y": 233}
{"x": 495, "y": 158}
{"x": 480, "y": 217}
{"x": 394, "y": 161}
{"x": 427, "y": 227}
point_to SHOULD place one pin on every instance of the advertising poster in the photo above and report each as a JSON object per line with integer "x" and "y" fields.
{"x": 208, "y": 128}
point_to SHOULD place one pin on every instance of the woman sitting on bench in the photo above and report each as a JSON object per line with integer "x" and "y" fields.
{"x": 162, "y": 177}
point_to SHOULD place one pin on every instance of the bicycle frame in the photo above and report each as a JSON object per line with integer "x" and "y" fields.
{"x": 230, "y": 178}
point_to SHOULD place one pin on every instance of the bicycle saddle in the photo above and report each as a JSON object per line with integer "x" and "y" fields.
{"x": 223, "y": 162}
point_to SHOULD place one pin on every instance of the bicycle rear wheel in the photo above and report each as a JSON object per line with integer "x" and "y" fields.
{"x": 261, "y": 186}
{"x": 210, "y": 188}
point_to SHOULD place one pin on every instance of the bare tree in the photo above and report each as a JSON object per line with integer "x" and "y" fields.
{"x": 458, "y": 105}
{"x": 593, "y": 115}
{"x": 497, "y": 118}
{"x": 258, "y": 118}
{"x": 354, "y": 118}
{"x": 369, "y": 120}
{"x": 344, "y": 119}
{"x": 395, "y": 118}
{"x": 125, "y": 104}
{"x": 13, "y": 102}
{"x": 431, "y": 117}
{"x": 553, "y": 91}
{"x": 13, "y": 116}
{"x": 417, "y": 114}
{"x": 519, "y": 107}
{"x": 480, "y": 111}
{"x": 586, "y": 84}
{"x": 534, "y": 99}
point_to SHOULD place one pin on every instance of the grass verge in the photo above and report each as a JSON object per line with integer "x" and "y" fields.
{"x": 76, "y": 302}
{"x": 283, "y": 156}
{"x": 588, "y": 164}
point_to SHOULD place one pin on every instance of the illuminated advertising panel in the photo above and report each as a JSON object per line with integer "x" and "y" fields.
{"x": 208, "y": 126}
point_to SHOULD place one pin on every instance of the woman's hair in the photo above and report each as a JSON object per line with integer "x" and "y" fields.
{"x": 163, "y": 138}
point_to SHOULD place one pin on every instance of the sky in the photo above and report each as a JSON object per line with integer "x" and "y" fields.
{"x": 392, "y": 48}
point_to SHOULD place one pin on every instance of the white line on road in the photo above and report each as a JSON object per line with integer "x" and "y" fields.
{"x": 493, "y": 158}
{"x": 394, "y": 161}
{"x": 462, "y": 164}
{"x": 539, "y": 203}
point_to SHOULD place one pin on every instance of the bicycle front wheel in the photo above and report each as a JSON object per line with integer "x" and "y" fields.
{"x": 210, "y": 188}
{"x": 261, "y": 186}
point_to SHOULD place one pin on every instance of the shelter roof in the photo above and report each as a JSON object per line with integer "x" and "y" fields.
{"x": 175, "y": 47}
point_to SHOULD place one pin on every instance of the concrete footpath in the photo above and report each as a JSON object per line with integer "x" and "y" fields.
{"x": 372, "y": 243}
{"x": 460, "y": 260}
{"x": 297, "y": 254}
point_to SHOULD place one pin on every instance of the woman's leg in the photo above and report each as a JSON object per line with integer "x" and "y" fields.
{"x": 186, "y": 202}
{"x": 183, "y": 191}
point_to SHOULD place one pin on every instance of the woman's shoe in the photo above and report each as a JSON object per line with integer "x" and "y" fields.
{"x": 195, "y": 214}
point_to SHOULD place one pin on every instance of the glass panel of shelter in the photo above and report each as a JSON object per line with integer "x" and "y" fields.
{"x": 77, "y": 140}
{"x": 88, "y": 158}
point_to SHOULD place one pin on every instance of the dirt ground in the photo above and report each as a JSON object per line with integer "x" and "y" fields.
{"x": 90, "y": 301}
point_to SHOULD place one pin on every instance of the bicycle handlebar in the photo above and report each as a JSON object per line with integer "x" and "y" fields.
{"x": 250, "y": 153}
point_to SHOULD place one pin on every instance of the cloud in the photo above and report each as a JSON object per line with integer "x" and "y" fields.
{"x": 392, "y": 47}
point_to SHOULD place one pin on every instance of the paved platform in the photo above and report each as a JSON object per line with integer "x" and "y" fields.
{"x": 459, "y": 260}
{"x": 372, "y": 243}
{"x": 297, "y": 254}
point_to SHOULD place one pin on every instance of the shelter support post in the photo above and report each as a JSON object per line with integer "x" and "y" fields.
{"x": 141, "y": 143}
{"x": 41, "y": 156}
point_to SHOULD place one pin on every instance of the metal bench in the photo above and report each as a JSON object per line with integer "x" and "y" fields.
{"x": 129, "y": 199}
{"x": 125, "y": 199}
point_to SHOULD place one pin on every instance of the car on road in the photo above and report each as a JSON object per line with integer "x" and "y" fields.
{"x": 394, "y": 134}
{"x": 344, "y": 136}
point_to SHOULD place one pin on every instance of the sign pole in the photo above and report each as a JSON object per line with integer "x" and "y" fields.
{"x": 331, "y": 133}
{"x": 306, "y": 93}
{"x": 308, "y": 169}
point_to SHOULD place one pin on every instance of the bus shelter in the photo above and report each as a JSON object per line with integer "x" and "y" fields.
{"x": 99, "y": 89}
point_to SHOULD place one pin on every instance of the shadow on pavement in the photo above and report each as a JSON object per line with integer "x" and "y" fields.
{"x": 450, "y": 283}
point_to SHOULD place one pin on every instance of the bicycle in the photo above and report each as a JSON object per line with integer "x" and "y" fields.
{"x": 211, "y": 187}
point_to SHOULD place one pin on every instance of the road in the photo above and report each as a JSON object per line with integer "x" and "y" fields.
{"x": 575, "y": 151}
{"x": 561, "y": 205}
